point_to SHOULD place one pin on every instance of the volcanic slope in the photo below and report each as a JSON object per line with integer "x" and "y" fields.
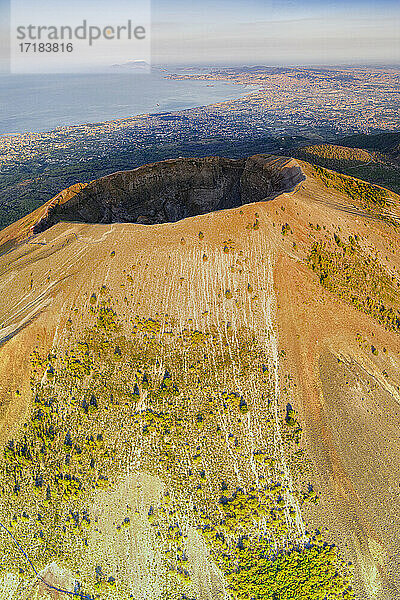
{"x": 370, "y": 165}
{"x": 207, "y": 408}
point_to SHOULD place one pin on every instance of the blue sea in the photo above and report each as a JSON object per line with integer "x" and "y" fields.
{"x": 43, "y": 102}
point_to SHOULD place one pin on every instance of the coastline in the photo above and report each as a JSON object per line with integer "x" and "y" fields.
{"x": 270, "y": 105}
{"x": 243, "y": 94}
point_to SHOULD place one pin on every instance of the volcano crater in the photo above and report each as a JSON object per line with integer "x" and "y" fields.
{"x": 172, "y": 190}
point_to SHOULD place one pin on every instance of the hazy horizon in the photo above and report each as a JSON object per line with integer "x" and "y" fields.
{"x": 288, "y": 32}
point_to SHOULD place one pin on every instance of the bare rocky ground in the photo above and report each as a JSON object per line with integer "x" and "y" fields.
{"x": 240, "y": 275}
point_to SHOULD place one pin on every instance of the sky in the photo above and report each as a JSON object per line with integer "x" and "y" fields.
{"x": 277, "y": 32}
{"x": 227, "y": 32}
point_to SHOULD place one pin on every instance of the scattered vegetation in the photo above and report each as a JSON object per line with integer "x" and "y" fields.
{"x": 369, "y": 196}
{"x": 358, "y": 278}
{"x": 201, "y": 406}
{"x": 331, "y": 153}
{"x": 370, "y": 165}
{"x": 310, "y": 573}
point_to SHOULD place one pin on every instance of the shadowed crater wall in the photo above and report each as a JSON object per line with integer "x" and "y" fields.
{"x": 174, "y": 189}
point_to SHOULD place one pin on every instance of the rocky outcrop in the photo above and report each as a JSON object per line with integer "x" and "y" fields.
{"x": 174, "y": 189}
